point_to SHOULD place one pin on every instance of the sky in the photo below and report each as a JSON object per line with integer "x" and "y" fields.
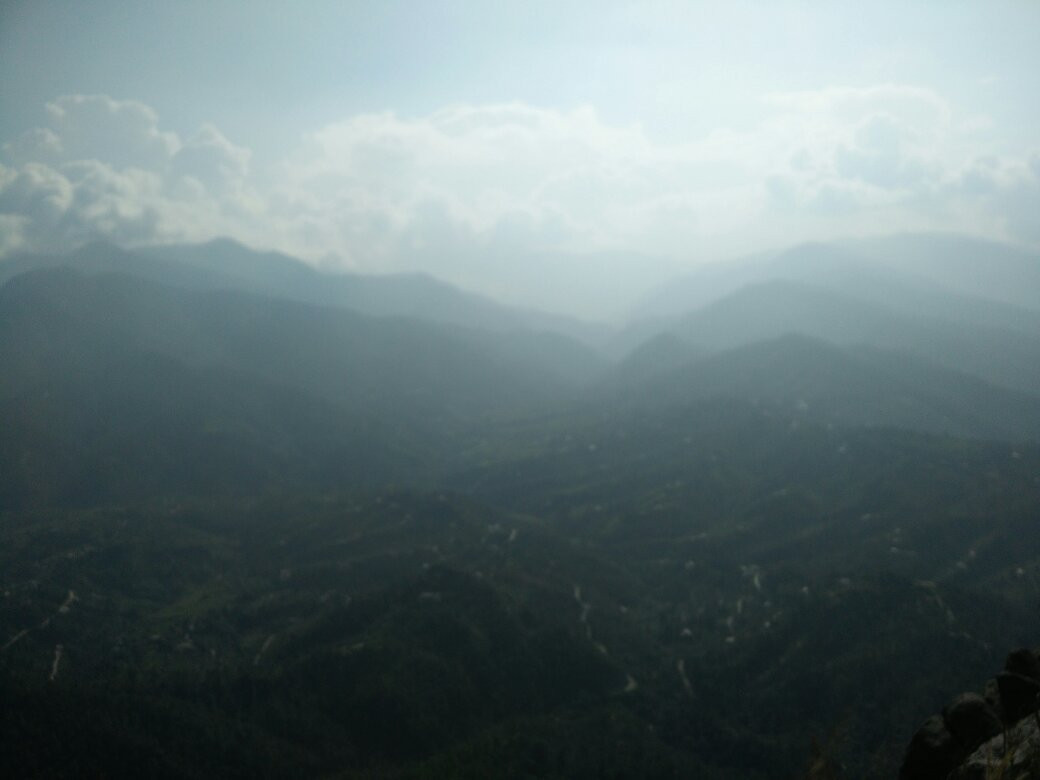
{"x": 555, "y": 154}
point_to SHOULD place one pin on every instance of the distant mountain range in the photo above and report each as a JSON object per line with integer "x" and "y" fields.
{"x": 223, "y": 264}
{"x": 936, "y": 273}
{"x": 829, "y": 331}
{"x": 227, "y": 366}
{"x": 853, "y": 299}
{"x": 810, "y": 379}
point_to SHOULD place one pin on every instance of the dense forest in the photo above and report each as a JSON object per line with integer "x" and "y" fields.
{"x": 261, "y": 521}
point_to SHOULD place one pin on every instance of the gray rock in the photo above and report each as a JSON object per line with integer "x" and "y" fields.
{"x": 932, "y": 752}
{"x": 991, "y": 693}
{"x": 971, "y": 720}
{"x": 1021, "y": 762}
{"x": 1023, "y": 662}
{"x": 1018, "y": 695}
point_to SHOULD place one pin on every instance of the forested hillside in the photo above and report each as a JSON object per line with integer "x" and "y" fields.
{"x": 252, "y": 534}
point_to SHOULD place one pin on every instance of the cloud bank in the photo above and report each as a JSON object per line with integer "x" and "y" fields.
{"x": 510, "y": 198}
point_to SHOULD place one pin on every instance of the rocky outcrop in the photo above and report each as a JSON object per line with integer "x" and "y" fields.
{"x": 976, "y": 734}
{"x": 932, "y": 752}
{"x": 1019, "y": 760}
{"x": 971, "y": 720}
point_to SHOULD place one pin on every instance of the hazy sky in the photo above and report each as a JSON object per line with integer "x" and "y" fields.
{"x": 532, "y": 150}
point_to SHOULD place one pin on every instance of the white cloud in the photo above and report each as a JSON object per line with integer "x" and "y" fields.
{"x": 572, "y": 181}
{"x": 122, "y": 133}
{"x": 916, "y": 106}
{"x": 210, "y": 158}
{"x": 895, "y": 158}
{"x": 106, "y": 168}
{"x": 34, "y": 199}
{"x": 468, "y": 190}
{"x": 36, "y": 145}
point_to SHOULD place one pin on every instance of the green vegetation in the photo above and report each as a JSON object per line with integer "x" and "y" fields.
{"x": 261, "y": 538}
{"x": 426, "y": 634}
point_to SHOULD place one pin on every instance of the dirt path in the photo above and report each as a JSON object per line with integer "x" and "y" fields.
{"x": 58, "y": 650}
{"x": 263, "y": 649}
{"x": 585, "y": 607}
{"x": 67, "y": 604}
{"x": 63, "y": 609}
{"x": 15, "y": 638}
{"x": 630, "y": 683}
{"x": 680, "y": 665}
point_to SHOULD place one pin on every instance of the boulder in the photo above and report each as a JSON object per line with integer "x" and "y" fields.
{"x": 996, "y": 734}
{"x": 1018, "y": 695}
{"x": 971, "y": 720}
{"x": 1018, "y": 760}
{"x": 1023, "y": 662}
{"x": 991, "y": 693}
{"x": 932, "y": 752}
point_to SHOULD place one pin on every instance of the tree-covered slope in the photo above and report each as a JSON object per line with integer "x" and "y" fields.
{"x": 768, "y": 310}
{"x": 242, "y": 535}
{"x": 815, "y": 380}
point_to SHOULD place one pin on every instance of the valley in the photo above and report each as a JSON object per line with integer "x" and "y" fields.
{"x": 261, "y": 523}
